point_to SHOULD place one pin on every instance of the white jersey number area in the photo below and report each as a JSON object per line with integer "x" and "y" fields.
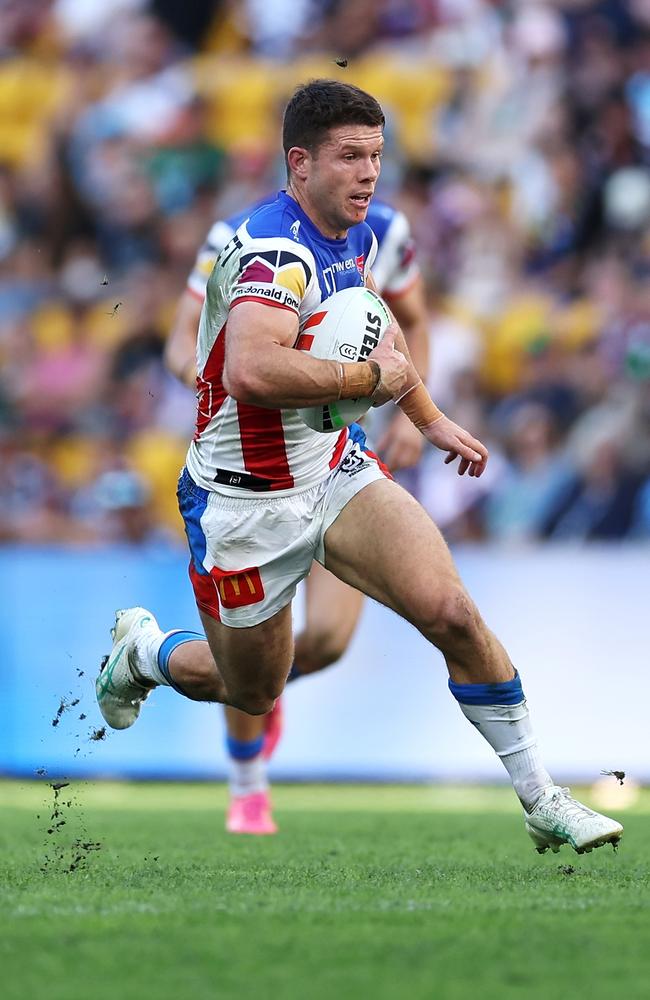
{"x": 346, "y": 328}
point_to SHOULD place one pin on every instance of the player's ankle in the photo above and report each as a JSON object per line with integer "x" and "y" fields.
{"x": 529, "y": 789}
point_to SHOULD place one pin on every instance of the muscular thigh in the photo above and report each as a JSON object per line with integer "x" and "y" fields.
{"x": 252, "y": 658}
{"x": 384, "y": 544}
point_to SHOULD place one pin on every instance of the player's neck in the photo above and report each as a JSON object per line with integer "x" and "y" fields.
{"x": 324, "y": 227}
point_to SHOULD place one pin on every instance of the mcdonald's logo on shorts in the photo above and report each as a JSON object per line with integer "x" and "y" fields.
{"x": 238, "y": 589}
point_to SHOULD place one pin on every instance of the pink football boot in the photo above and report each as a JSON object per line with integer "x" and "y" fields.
{"x": 273, "y": 726}
{"x": 250, "y": 814}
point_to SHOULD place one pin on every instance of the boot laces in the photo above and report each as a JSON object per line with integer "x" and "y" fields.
{"x": 566, "y": 807}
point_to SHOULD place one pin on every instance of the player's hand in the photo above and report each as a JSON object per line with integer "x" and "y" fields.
{"x": 458, "y": 443}
{"x": 401, "y": 445}
{"x": 393, "y": 368}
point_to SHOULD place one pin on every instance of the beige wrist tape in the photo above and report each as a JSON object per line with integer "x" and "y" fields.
{"x": 359, "y": 378}
{"x": 418, "y": 406}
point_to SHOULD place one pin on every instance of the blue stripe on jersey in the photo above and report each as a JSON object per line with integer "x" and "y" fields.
{"x": 379, "y": 217}
{"x": 358, "y": 435}
{"x": 192, "y": 501}
{"x": 339, "y": 263}
{"x": 505, "y": 693}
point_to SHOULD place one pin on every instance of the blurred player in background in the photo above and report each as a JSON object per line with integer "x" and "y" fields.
{"x": 332, "y": 609}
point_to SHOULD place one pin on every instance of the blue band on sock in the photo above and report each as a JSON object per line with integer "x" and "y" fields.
{"x": 244, "y": 749}
{"x": 506, "y": 693}
{"x": 167, "y": 647}
{"x": 294, "y": 674}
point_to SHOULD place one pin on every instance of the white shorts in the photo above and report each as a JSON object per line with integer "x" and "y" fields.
{"x": 248, "y": 554}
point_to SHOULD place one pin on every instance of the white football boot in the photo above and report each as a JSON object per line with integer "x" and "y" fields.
{"x": 120, "y": 688}
{"x": 558, "y": 819}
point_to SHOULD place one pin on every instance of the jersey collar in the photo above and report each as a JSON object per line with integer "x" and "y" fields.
{"x": 311, "y": 229}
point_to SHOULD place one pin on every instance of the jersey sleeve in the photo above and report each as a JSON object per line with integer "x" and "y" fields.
{"x": 215, "y": 241}
{"x": 275, "y": 272}
{"x": 396, "y": 267}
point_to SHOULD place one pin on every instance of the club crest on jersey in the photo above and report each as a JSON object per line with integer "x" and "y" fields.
{"x": 360, "y": 261}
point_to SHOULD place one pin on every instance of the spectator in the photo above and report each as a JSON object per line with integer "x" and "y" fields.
{"x": 537, "y": 475}
{"x": 517, "y": 146}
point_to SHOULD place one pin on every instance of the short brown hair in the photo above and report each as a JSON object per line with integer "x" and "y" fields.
{"x": 320, "y": 105}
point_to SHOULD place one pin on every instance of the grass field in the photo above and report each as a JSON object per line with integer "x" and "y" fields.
{"x": 379, "y": 892}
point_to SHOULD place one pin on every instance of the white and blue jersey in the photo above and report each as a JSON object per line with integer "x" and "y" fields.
{"x": 276, "y": 257}
{"x": 394, "y": 270}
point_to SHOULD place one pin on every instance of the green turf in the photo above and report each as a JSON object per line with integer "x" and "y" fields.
{"x": 367, "y": 892}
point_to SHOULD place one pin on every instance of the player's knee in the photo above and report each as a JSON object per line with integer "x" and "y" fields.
{"x": 452, "y": 619}
{"x": 256, "y": 700}
{"x": 253, "y": 703}
{"x": 325, "y": 646}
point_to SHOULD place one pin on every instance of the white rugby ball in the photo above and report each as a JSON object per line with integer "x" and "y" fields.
{"x": 346, "y": 327}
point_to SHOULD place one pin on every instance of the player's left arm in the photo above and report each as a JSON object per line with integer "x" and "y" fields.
{"x": 416, "y": 403}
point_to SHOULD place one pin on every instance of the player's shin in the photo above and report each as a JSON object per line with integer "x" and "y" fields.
{"x": 500, "y": 713}
{"x": 153, "y": 654}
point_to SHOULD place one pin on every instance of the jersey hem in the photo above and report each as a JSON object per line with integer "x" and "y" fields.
{"x": 244, "y": 494}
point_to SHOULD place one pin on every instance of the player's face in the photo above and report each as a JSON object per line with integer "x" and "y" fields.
{"x": 340, "y": 177}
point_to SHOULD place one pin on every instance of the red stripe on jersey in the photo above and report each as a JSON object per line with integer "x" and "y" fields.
{"x": 384, "y": 468}
{"x": 209, "y": 384}
{"x": 314, "y": 320}
{"x": 304, "y": 342}
{"x": 265, "y": 302}
{"x": 262, "y": 445}
{"x": 338, "y": 449}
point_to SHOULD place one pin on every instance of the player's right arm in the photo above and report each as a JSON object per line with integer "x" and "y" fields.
{"x": 261, "y": 367}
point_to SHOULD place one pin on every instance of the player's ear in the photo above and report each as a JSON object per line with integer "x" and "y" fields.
{"x": 298, "y": 161}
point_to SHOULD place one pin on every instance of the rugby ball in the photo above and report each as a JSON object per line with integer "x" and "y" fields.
{"x": 346, "y": 327}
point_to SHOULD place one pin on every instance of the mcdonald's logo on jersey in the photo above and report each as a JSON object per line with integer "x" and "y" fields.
{"x": 238, "y": 589}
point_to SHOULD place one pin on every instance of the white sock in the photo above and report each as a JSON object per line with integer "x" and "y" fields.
{"x": 247, "y": 776}
{"x": 144, "y": 656}
{"x": 508, "y": 730}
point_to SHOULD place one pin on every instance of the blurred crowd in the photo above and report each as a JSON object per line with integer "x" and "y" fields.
{"x": 518, "y": 145}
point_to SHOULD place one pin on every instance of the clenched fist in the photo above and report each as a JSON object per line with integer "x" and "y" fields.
{"x": 393, "y": 368}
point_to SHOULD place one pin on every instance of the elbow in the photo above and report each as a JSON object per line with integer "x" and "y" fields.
{"x": 242, "y": 384}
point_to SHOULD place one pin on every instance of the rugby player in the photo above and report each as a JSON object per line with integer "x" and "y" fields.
{"x": 332, "y": 608}
{"x": 262, "y": 495}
